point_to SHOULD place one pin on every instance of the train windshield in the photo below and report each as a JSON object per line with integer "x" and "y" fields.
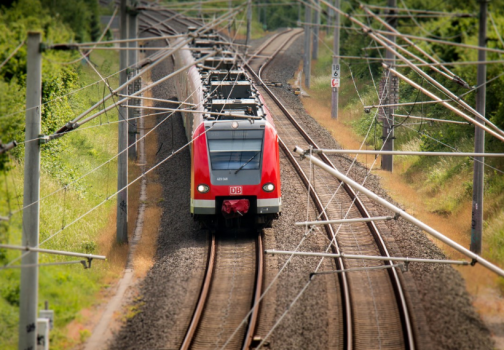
{"x": 235, "y": 149}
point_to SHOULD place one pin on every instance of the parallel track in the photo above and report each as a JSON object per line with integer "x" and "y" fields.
{"x": 389, "y": 326}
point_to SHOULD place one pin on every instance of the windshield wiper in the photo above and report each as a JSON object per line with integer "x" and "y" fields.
{"x": 248, "y": 161}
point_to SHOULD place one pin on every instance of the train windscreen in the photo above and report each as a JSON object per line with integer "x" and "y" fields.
{"x": 235, "y": 150}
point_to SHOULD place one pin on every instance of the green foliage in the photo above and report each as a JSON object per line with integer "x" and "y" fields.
{"x": 67, "y": 288}
{"x": 10, "y": 292}
{"x": 81, "y": 15}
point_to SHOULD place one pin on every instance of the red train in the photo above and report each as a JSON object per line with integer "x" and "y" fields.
{"x": 235, "y": 163}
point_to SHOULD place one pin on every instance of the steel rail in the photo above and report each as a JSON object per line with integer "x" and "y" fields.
{"x": 198, "y": 312}
{"x": 393, "y": 274}
{"x": 264, "y": 45}
{"x": 340, "y": 264}
{"x": 268, "y": 59}
{"x": 184, "y": 18}
{"x": 169, "y": 29}
{"x": 249, "y": 337}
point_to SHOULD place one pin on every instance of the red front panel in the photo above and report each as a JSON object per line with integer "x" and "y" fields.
{"x": 270, "y": 169}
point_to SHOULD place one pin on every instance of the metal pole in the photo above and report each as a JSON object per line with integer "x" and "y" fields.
{"x": 299, "y": 12}
{"x": 249, "y": 21}
{"x": 402, "y": 213}
{"x": 306, "y": 56}
{"x": 343, "y": 221}
{"x": 336, "y": 45}
{"x": 479, "y": 138}
{"x": 316, "y": 30}
{"x": 406, "y": 153}
{"x": 132, "y": 60}
{"x": 330, "y": 16}
{"x": 230, "y": 19}
{"x": 28, "y": 299}
{"x": 122, "y": 160}
{"x": 366, "y": 257}
{"x": 392, "y": 97}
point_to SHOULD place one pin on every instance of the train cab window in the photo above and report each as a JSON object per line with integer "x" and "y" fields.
{"x": 233, "y": 150}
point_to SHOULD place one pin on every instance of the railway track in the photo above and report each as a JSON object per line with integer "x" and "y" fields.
{"x": 232, "y": 285}
{"x": 163, "y": 21}
{"x": 375, "y": 309}
{"x": 374, "y": 304}
{"x": 233, "y": 279}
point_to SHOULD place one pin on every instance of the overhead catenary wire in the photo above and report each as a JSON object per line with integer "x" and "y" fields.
{"x": 74, "y": 123}
{"x": 308, "y": 230}
{"x": 83, "y": 262}
{"x": 113, "y": 194}
{"x": 59, "y": 98}
{"x": 430, "y": 33}
{"x": 303, "y": 290}
{"x": 12, "y": 54}
{"x": 120, "y": 41}
{"x": 400, "y": 9}
{"x": 388, "y": 15}
{"x": 404, "y": 104}
{"x": 447, "y": 105}
{"x": 431, "y": 119}
{"x": 404, "y": 215}
{"x": 385, "y": 42}
{"x": 97, "y": 42}
{"x": 444, "y": 42}
{"x": 447, "y": 73}
{"x": 116, "y": 155}
{"x": 460, "y": 63}
{"x": 452, "y": 148}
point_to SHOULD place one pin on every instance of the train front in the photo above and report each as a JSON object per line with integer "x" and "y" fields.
{"x": 236, "y": 164}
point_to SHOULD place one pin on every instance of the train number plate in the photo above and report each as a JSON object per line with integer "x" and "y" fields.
{"x": 235, "y": 190}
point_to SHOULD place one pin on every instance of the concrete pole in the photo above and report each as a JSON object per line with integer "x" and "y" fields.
{"x": 28, "y": 301}
{"x": 132, "y": 59}
{"x": 336, "y": 44}
{"x": 479, "y": 138}
{"x": 330, "y": 17}
{"x": 306, "y": 56}
{"x": 299, "y": 12}
{"x": 230, "y": 18}
{"x": 387, "y": 162}
{"x": 249, "y": 21}
{"x": 316, "y": 31}
{"x": 122, "y": 160}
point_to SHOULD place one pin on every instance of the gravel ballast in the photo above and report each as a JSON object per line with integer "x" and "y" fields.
{"x": 168, "y": 293}
{"x": 439, "y": 290}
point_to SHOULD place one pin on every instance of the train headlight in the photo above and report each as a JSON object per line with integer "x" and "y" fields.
{"x": 234, "y": 125}
{"x": 269, "y": 187}
{"x": 203, "y": 188}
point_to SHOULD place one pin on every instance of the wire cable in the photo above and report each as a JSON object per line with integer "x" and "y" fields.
{"x": 12, "y": 54}
{"x": 116, "y": 8}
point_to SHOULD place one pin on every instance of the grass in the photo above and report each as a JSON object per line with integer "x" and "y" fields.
{"x": 69, "y": 288}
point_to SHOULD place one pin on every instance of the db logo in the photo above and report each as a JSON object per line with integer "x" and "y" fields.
{"x": 235, "y": 190}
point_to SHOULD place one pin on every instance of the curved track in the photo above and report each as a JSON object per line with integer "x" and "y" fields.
{"x": 376, "y": 311}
